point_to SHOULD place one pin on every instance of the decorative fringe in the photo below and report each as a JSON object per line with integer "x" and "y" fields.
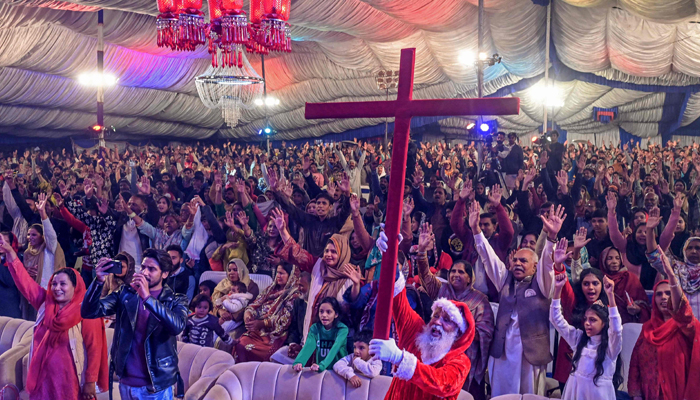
{"x": 275, "y": 35}
{"x": 191, "y": 30}
{"x": 167, "y": 26}
{"x": 234, "y": 29}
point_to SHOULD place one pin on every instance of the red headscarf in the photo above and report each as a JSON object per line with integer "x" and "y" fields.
{"x": 58, "y": 321}
{"x": 678, "y": 355}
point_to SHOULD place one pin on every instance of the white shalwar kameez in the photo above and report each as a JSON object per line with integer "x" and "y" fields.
{"x": 580, "y": 384}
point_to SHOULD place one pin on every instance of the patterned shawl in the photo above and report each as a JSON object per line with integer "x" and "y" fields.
{"x": 274, "y": 306}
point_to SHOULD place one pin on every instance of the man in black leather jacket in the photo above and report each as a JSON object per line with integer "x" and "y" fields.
{"x": 149, "y": 316}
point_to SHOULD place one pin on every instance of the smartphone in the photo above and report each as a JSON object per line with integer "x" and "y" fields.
{"x": 115, "y": 267}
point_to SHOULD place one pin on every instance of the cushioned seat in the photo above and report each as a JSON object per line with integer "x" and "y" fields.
{"x": 15, "y": 338}
{"x": 199, "y": 368}
{"x": 520, "y": 397}
{"x": 269, "y": 381}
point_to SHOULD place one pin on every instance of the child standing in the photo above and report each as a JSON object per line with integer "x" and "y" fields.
{"x": 327, "y": 338}
{"x": 201, "y": 325}
{"x": 594, "y": 374}
{"x": 358, "y": 362}
{"x": 237, "y": 300}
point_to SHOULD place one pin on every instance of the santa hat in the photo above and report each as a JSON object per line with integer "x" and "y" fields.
{"x": 455, "y": 309}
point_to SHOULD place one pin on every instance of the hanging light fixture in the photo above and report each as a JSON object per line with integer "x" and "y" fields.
{"x": 191, "y": 27}
{"x": 274, "y": 29}
{"x": 167, "y": 23}
{"x": 255, "y": 45}
{"x": 234, "y": 23}
{"x": 223, "y": 54}
{"x": 232, "y": 89}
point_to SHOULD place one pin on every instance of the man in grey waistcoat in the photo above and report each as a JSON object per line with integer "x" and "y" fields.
{"x": 520, "y": 346}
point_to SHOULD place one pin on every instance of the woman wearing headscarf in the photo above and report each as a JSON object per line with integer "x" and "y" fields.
{"x": 628, "y": 288}
{"x": 115, "y": 281}
{"x": 268, "y": 318}
{"x": 687, "y": 271}
{"x": 328, "y": 278}
{"x": 665, "y": 363}
{"x": 460, "y": 288}
{"x": 43, "y": 255}
{"x": 236, "y": 271}
{"x": 68, "y": 355}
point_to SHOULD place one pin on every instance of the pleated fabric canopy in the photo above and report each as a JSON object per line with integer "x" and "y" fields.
{"x": 640, "y": 57}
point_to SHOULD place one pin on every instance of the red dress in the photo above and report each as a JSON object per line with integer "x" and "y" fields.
{"x": 441, "y": 380}
{"x": 58, "y": 378}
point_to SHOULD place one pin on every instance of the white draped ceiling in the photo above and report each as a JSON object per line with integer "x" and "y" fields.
{"x": 338, "y": 47}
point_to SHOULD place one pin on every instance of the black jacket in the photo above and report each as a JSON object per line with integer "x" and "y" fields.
{"x": 168, "y": 319}
{"x": 296, "y": 327}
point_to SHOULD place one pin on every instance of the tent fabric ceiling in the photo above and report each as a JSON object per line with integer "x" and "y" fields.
{"x": 338, "y": 47}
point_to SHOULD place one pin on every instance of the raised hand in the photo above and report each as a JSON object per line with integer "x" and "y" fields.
{"x": 344, "y": 185}
{"x": 408, "y": 205}
{"x": 580, "y": 238}
{"x": 474, "y": 213}
{"x": 272, "y": 179}
{"x": 654, "y": 218}
{"x": 467, "y": 190}
{"x": 240, "y": 186}
{"x": 581, "y": 162}
{"x": 559, "y": 283}
{"x": 552, "y": 225}
{"x": 609, "y": 287}
{"x": 529, "y": 177}
{"x": 144, "y": 186}
{"x": 306, "y": 164}
{"x": 663, "y": 186}
{"x": 560, "y": 253}
{"x": 544, "y": 157}
{"x": 331, "y": 188}
{"x": 230, "y": 221}
{"x": 495, "y": 195}
{"x": 378, "y": 201}
{"x": 417, "y": 177}
{"x": 355, "y": 204}
{"x": 611, "y": 201}
{"x": 242, "y": 217}
{"x": 278, "y": 217}
{"x": 41, "y": 204}
{"x": 678, "y": 201}
{"x": 351, "y": 272}
{"x": 563, "y": 181}
{"x": 426, "y": 238}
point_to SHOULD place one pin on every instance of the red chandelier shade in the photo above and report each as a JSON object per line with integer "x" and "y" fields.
{"x": 277, "y": 9}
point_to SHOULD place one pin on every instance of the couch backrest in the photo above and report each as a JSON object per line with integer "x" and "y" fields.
{"x": 253, "y": 380}
{"x": 13, "y": 331}
{"x": 630, "y": 334}
{"x": 263, "y": 281}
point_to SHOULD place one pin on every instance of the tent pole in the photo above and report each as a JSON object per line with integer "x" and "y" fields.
{"x": 100, "y": 72}
{"x": 480, "y": 81}
{"x": 545, "y": 126}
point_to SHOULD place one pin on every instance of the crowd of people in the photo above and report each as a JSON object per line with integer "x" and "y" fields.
{"x": 580, "y": 237}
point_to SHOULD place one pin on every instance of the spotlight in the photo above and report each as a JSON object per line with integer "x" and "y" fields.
{"x": 271, "y": 101}
{"x": 483, "y": 56}
{"x": 259, "y": 102}
{"x": 549, "y": 95}
{"x": 268, "y": 130}
{"x": 484, "y": 127}
{"x": 97, "y": 128}
{"x": 471, "y": 125}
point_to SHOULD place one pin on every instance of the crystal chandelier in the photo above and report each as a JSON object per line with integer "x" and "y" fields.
{"x": 231, "y": 89}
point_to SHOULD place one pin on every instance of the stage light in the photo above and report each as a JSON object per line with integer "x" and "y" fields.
{"x": 535, "y": 139}
{"x": 268, "y": 130}
{"x": 94, "y": 79}
{"x": 484, "y": 127}
{"x": 259, "y": 102}
{"x": 271, "y": 101}
{"x": 97, "y": 128}
{"x": 471, "y": 125}
{"x": 483, "y": 56}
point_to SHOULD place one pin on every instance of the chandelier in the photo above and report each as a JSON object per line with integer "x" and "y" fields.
{"x": 181, "y": 26}
{"x": 231, "y": 89}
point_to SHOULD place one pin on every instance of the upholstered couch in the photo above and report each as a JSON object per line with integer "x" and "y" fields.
{"x": 248, "y": 381}
{"x": 520, "y": 397}
{"x": 15, "y": 338}
{"x": 199, "y": 366}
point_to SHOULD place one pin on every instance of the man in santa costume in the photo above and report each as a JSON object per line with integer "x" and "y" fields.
{"x": 430, "y": 359}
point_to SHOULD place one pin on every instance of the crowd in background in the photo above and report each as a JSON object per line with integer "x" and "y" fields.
{"x": 572, "y": 234}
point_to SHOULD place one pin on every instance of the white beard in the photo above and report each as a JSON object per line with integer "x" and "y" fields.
{"x": 433, "y": 349}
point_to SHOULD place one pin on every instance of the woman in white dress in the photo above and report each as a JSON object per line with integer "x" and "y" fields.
{"x": 594, "y": 374}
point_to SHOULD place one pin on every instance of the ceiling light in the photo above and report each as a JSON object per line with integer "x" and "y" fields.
{"x": 259, "y": 102}
{"x": 549, "y": 95}
{"x": 471, "y": 125}
{"x": 95, "y": 79}
{"x": 484, "y": 127}
{"x": 466, "y": 57}
{"x": 483, "y": 56}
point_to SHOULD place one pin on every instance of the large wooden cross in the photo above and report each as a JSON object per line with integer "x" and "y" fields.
{"x": 403, "y": 108}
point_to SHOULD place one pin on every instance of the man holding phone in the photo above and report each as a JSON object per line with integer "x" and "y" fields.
{"x": 148, "y": 312}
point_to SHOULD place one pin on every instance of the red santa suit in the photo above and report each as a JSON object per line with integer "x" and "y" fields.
{"x": 419, "y": 379}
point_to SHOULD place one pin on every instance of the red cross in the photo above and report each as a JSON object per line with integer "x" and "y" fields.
{"x": 403, "y": 108}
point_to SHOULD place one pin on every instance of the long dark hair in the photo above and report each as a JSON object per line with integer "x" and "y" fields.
{"x": 336, "y": 307}
{"x": 581, "y": 304}
{"x": 602, "y": 313}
